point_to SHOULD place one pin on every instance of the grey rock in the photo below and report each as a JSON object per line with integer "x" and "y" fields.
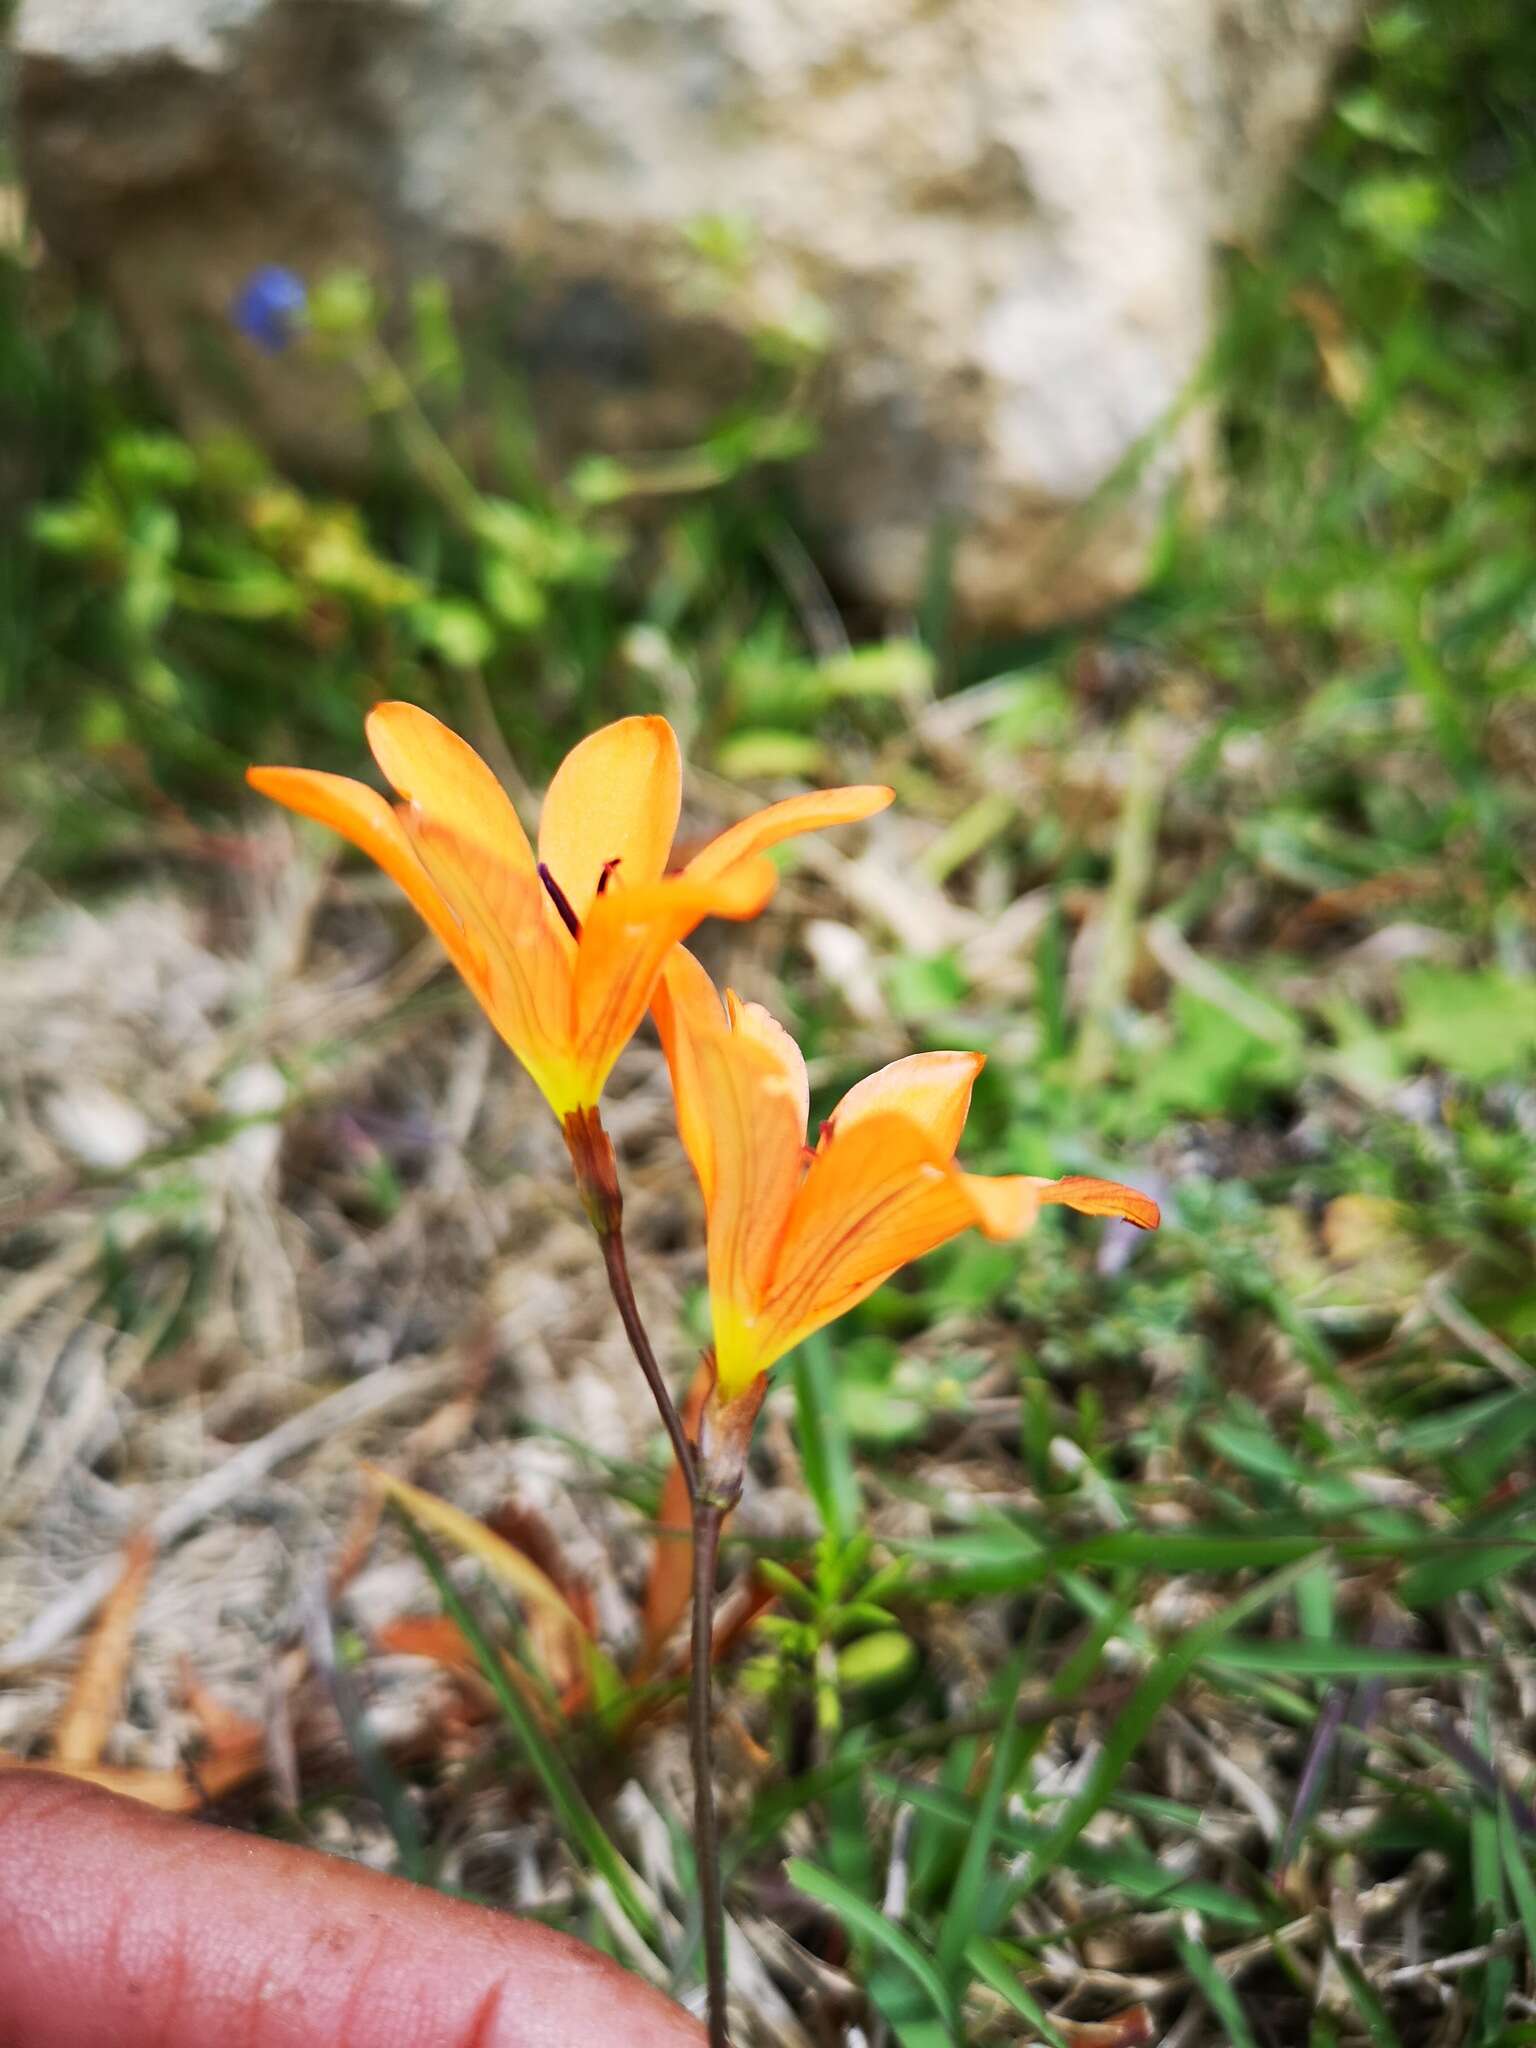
{"x": 1008, "y": 211}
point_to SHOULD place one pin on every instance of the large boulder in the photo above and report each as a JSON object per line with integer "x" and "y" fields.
{"x": 1006, "y": 210}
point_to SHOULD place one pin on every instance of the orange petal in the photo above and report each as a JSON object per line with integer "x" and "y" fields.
{"x": 930, "y": 1089}
{"x": 1092, "y": 1197}
{"x": 877, "y": 1196}
{"x": 625, "y": 942}
{"x": 1006, "y": 1205}
{"x": 812, "y": 812}
{"x": 614, "y": 798}
{"x": 362, "y": 816}
{"x": 756, "y": 1097}
{"x": 431, "y": 767}
{"x": 684, "y": 1006}
{"x": 523, "y": 960}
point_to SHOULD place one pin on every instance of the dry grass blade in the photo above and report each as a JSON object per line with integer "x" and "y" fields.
{"x": 509, "y": 1566}
{"x": 96, "y": 1694}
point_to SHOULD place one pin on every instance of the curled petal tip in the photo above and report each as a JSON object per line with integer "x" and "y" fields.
{"x": 1094, "y": 1197}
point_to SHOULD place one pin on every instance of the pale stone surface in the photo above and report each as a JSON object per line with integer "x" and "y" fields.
{"x": 1007, "y": 208}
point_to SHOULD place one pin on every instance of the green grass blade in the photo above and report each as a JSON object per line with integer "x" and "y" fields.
{"x": 961, "y": 1914}
{"x": 1333, "y": 1660}
{"x": 822, "y": 1436}
{"x": 1517, "y": 1871}
{"x": 990, "y": 1967}
{"x": 1218, "y": 1994}
{"x": 1146, "y": 1884}
{"x": 1378, "y": 2023}
{"x": 1143, "y": 1708}
{"x": 868, "y": 1923}
{"x": 1490, "y": 1901}
{"x": 581, "y": 1826}
{"x": 384, "y": 1783}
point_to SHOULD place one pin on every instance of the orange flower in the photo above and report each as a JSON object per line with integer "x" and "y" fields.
{"x": 561, "y": 950}
{"x": 798, "y": 1236}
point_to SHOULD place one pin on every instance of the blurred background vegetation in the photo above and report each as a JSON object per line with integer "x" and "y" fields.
{"x": 1272, "y": 828}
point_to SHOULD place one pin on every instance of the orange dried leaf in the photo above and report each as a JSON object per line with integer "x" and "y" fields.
{"x": 670, "y": 1587}
{"x": 439, "y": 1639}
{"x": 356, "y": 1542}
{"x": 94, "y": 1698}
{"x": 575, "y": 1649}
{"x": 215, "y": 1777}
{"x": 225, "y": 1732}
{"x": 738, "y": 1616}
{"x": 436, "y": 1637}
{"x": 1133, "y": 2028}
{"x": 758, "y": 1758}
{"x": 557, "y": 1653}
{"x": 167, "y": 1791}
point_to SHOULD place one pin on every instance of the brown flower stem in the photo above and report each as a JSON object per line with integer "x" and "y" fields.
{"x": 597, "y": 1182}
{"x": 708, "y": 1515}
{"x": 617, "y": 1262}
{"x": 713, "y": 1479}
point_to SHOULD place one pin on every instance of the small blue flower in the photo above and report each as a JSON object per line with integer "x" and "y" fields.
{"x": 269, "y": 306}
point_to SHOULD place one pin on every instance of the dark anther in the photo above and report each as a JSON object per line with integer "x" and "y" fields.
{"x": 561, "y": 901}
{"x": 606, "y": 876}
{"x": 826, "y": 1134}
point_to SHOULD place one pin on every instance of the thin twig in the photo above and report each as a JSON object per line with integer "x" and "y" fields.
{"x": 1454, "y": 1316}
{"x": 1463, "y": 1959}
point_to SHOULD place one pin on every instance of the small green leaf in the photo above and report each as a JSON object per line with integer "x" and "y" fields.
{"x": 1477, "y": 1026}
{"x": 455, "y": 629}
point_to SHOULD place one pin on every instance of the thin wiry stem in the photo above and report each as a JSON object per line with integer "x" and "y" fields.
{"x": 707, "y": 1518}
{"x": 600, "y": 1192}
{"x": 616, "y": 1260}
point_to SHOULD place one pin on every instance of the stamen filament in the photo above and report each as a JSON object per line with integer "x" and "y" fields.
{"x": 561, "y": 901}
